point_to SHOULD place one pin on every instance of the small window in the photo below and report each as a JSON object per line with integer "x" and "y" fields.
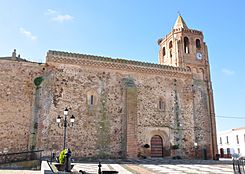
{"x": 170, "y": 44}
{"x": 186, "y": 45}
{"x": 227, "y": 139}
{"x": 238, "y": 150}
{"x": 91, "y": 100}
{"x": 220, "y": 140}
{"x": 198, "y": 43}
{"x": 161, "y": 105}
{"x": 237, "y": 139}
{"x": 163, "y": 51}
{"x": 170, "y": 53}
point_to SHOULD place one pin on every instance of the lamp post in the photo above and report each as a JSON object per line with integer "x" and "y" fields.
{"x": 195, "y": 146}
{"x": 58, "y": 120}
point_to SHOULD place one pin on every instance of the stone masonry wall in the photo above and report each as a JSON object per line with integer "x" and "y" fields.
{"x": 72, "y": 83}
{"x": 91, "y": 134}
{"x": 202, "y": 122}
{"x": 101, "y": 129}
{"x": 16, "y": 103}
{"x": 176, "y": 116}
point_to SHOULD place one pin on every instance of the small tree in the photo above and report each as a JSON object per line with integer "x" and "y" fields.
{"x": 38, "y": 81}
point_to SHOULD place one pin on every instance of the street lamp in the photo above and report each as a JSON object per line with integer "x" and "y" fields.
{"x": 195, "y": 146}
{"x": 72, "y": 120}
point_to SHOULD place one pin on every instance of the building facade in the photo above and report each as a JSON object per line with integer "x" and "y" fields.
{"x": 231, "y": 142}
{"x": 122, "y": 108}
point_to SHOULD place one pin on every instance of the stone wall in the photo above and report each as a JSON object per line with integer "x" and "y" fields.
{"x": 122, "y": 115}
{"x": 101, "y": 130}
{"x": 16, "y": 103}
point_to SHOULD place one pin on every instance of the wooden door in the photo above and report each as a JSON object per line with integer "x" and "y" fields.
{"x": 156, "y": 146}
{"x": 221, "y": 153}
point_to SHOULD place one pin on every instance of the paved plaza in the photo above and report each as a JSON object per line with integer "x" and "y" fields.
{"x": 158, "y": 169}
{"x": 148, "y": 166}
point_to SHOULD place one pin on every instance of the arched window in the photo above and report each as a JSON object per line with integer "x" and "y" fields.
{"x": 163, "y": 51}
{"x": 91, "y": 100}
{"x": 186, "y": 45}
{"x": 198, "y": 43}
{"x": 170, "y": 44}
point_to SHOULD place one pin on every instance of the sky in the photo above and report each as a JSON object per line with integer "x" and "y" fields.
{"x": 130, "y": 29}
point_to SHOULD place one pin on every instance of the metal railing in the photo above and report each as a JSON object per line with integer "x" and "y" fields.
{"x": 20, "y": 156}
{"x": 238, "y": 165}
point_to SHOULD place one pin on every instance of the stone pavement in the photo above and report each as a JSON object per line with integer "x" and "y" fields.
{"x": 159, "y": 166}
{"x": 146, "y": 166}
{"x": 19, "y": 172}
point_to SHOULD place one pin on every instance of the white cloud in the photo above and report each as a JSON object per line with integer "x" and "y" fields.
{"x": 62, "y": 18}
{"x": 28, "y": 34}
{"x": 228, "y": 72}
{"x": 56, "y": 16}
{"x": 51, "y": 12}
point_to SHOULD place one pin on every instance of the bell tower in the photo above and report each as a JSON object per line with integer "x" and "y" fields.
{"x": 183, "y": 47}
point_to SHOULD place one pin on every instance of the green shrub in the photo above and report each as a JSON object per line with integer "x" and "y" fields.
{"x": 176, "y": 146}
{"x": 38, "y": 81}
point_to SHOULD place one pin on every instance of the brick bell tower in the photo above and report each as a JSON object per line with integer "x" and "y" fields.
{"x": 184, "y": 47}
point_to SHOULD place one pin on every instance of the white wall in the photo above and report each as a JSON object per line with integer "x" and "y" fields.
{"x": 232, "y": 141}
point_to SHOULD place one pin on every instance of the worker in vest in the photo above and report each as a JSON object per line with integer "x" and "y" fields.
{"x": 62, "y": 156}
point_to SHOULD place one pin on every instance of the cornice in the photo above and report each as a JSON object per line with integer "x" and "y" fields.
{"x": 118, "y": 64}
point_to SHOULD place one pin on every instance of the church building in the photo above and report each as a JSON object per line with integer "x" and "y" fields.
{"x": 119, "y": 108}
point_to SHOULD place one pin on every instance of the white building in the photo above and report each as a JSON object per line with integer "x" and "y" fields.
{"x": 231, "y": 141}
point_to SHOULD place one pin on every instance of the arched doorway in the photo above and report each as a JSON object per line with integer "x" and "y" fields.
{"x": 156, "y": 146}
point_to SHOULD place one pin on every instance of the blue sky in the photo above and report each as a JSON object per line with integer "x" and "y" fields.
{"x": 130, "y": 29}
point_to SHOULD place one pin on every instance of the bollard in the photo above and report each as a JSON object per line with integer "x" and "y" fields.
{"x": 99, "y": 171}
{"x": 68, "y": 161}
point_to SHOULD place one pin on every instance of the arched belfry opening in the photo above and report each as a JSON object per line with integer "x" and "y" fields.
{"x": 198, "y": 44}
{"x": 186, "y": 45}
